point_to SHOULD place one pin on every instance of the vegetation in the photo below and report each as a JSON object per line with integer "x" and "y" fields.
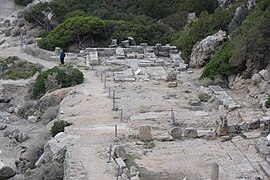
{"x": 15, "y": 68}
{"x": 23, "y": 2}
{"x": 267, "y": 103}
{"x": 59, "y": 126}
{"x": 49, "y": 171}
{"x": 64, "y": 76}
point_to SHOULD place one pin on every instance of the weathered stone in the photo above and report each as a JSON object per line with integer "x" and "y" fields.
{"x": 3, "y": 126}
{"x": 120, "y": 163}
{"x": 126, "y": 172}
{"x": 190, "y": 132}
{"x": 134, "y": 171}
{"x": 265, "y": 74}
{"x": 210, "y": 135}
{"x": 225, "y": 138}
{"x": 256, "y": 79}
{"x": 215, "y": 172}
{"x": 32, "y": 119}
{"x": 243, "y": 126}
{"x": 145, "y": 133}
{"x": 11, "y": 110}
{"x": 175, "y": 132}
{"x": 222, "y": 126}
{"x": 233, "y": 128}
{"x": 163, "y": 138}
{"x": 134, "y": 178}
{"x": 119, "y": 152}
{"x": 6, "y": 172}
{"x": 195, "y": 102}
{"x": 204, "y": 50}
{"x": 21, "y": 137}
{"x": 172, "y": 84}
{"x": 171, "y": 76}
{"x": 140, "y": 56}
{"x": 254, "y": 124}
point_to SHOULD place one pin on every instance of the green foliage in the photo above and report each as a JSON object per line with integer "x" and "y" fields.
{"x": 252, "y": 42}
{"x": 66, "y": 76}
{"x": 149, "y": 145}
{"x": 207, "y": 24}
{"x": 267, "y": 103}
{"x": 74, "y": 29}
{"x": 48, "y": 171}
{"x": 27, "y": 110}
{"x": 15, "y": 68}
{"x": 59, "y": 126}
{"x": 23, "y": 2}
{"x": 220, "y": 65}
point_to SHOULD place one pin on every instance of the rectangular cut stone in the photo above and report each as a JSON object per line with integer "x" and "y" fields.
{"x": 145, "y": 133}
{"x": 265, "y": 167}
{"x": 120, "y": 54}
{"x": 120, "y": 162}
{"x": 216, "y": 89}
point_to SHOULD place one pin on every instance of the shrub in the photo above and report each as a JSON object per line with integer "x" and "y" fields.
{"x": 65, "y": 76}
{"x": 49, "y": 171}
{"x": 206, "y": 82}
{"x": 59, "y": 126}
{"x": 27, "y": 110}
{"x": 15, "y": 68}
{"x": 219, "y": 66}
{"x": 149, "y": 144}
{"x": 267, "y": 103}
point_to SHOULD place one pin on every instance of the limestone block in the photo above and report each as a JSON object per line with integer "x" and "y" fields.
{"x": 243, "y": 126}
{"x": 140, "y": 56}
{"x": 134, "y": 171}
{"x": 119, "y": 152}
{"x": 172, "y": 84}
{"x": 256, "y": 79}
{"x": 210, "y": 135}
{"x": 254, "y": 124}
{"x": 232, "y": 128}
{"x": 32, "y": 119}
{"x": 145, "y": 133}
{"x": 265, "y": 75}
{"x": 190, "y": 132}
{"x": 176, "y": 132}
{"x": 120, "y": 163}
{"x": 6, "y": 172}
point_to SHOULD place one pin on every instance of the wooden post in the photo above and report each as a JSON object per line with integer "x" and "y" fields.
{"x": 115, "y": 130}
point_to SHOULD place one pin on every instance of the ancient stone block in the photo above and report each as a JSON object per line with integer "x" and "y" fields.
{"x": 254, "y": 124}
{"x": 6, "y": 172}
{"x": 210, "y": 135}
{"x": 176, "y": 132}
{"x": 119, "y": 152}
{"x": 243, "y": 126}
{"x": 233, "y": 128}
{"x": 145, "y": 133}
{"x": 190, "y": 132}
{"x": 222, "y": 126}
{"x": 120, "y": 163}
{"x": 172, "y": 84}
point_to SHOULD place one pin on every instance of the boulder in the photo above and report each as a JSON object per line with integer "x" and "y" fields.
{"x": 233, "y": 128}
{"x": 210, "y": 135}
{"x": 119, "y": 152}
{"x": 204, "y": 50}
{"x": 256, "y": 79}
{"x": 204, "y": 93}
{"x": 3, "y": 126}
{"x": 6, "y": 172}
{"x": 254, "y": 124}
{"x": 32, "y": 119}
{"x": 190, "y": 132}
{"x": 264, "y": 74}
{"x": 134, "y": 171}
{"x": 172, "y": 84}
{"x": 145, "y": 133}
{"x": 16, "y": 134}
{"x": 243, "y": 126}
{"x": 55, "y": 149}
{"x": 175, "y": 132}
{"x": 165, "y": 137}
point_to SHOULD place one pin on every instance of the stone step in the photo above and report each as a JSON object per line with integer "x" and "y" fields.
{"x": 265, "y": 167}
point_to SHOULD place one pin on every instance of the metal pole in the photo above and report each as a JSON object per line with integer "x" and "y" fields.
{"x": 113, "y": 100}
{"x": 110, "y": 154}
{"x": 121, "y": 115}
{"x": 115, "y": 130}
{"x": 101, "y": 74}
{"x": 105, "y": 79}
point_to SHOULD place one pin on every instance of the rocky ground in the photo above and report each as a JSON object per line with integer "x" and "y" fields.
{"x": 145, "y": 102}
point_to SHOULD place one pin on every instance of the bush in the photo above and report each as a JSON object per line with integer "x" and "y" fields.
{"x": 27, "y": 110}
{"x": 220, "y": 66}
{"x": 59, "y": 126}
{"x": 15, "y": 68}
{"x": 267, "y": 103}
{"x": 65, "y": 76}
{"x": 49, "y": 171}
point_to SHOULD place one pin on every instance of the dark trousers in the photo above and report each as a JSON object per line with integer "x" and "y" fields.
{"x": 62, "y": 60}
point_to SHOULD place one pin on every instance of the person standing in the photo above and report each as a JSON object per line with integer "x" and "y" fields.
{"x": 62, "y": 57}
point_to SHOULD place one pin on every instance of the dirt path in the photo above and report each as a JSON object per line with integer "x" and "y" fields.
{"x": 90, "y": 111}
